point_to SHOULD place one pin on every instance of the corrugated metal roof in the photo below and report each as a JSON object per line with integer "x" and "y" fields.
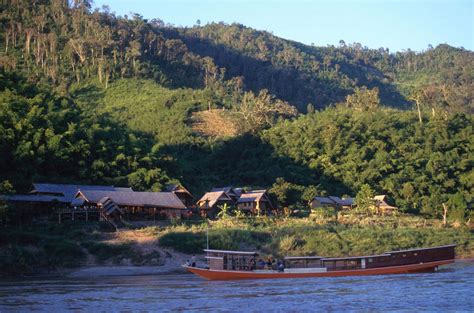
{"x": 35, "y": 198}
{"x": 226, "y": 189}
{"x": 77, "y": 202}
{"x": 347, "y": 201}
{"x": 324, "y": 200}
{"x": 135, "y": 198}
{"x": 230, "y": 252}
{"x": 344, "y": 202}
{"x": 420, "y": 249}
{"x": 68, "y": 191}
{"x": 231, "y": 191}
{"x": 335, "y": 200}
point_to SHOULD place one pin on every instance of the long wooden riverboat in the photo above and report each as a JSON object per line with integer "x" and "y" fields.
{"x": 232, "y": 265}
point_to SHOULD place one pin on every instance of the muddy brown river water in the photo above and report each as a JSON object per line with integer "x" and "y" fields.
{"x": 450, "y": 289}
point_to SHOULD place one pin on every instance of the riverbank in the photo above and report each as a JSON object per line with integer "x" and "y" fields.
{"x": 88, "y": 249}
{"x": 106, "y": 271}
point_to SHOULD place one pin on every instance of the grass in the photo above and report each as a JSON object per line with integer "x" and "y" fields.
{"x": 25, "y": 250}
{"x": 109, "y": 252}
{"x": 292, "y": 236}
{"x": 144, "y": 106}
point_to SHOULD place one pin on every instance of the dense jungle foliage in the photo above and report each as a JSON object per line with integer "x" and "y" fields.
{"x": 90, "y": 97}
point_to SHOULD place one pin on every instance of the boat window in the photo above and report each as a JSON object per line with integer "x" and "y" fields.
{"x": 371, "y": 260}
{"x": 404, "y": 255}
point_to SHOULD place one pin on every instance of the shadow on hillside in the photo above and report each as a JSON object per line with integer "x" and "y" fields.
{"x": 241, "y": 161}
{"x": 297, "y": 86}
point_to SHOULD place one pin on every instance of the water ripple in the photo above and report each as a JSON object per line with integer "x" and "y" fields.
{"x": 446, "y": 290}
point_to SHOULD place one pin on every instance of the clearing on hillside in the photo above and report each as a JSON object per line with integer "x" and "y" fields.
{"x": 214, "y": 123}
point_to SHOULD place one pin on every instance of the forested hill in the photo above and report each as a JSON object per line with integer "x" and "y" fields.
{"x": 89, "y": 97}
{"x": 304, "y": 74}
{"x": 50, "y": 39}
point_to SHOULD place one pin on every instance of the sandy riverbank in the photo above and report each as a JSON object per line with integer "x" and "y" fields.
{"x": 101, "y": 271}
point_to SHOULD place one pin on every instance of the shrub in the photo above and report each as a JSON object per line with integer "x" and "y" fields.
{"x": 63, "y": 253}
{"x": 17, "y": 260}
{"x": 184, "y": 241}
{"x": 115, "y": 252}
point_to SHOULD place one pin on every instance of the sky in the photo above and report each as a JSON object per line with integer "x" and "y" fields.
{"x": 395, "y": 24}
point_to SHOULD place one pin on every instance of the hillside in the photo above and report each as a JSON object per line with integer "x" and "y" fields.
{"x": 53, "y": 42}
{"x": 86, "y": 96}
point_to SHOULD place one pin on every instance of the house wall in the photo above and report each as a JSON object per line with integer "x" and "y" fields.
{"x": 149, "y": 213}
{"x": 251, "y": 207}
{"x": 212, "y": 211}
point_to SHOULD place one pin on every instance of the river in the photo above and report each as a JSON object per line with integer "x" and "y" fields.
{"x": 450, "y": 289}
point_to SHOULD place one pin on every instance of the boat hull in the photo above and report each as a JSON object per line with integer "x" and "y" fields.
{"x": 235, "y": 275}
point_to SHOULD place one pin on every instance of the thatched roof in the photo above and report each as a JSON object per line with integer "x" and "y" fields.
{"x": 135, "y": 198}
{"x": 211, "y": 198}
{"x": 380, "y": 198}
{"x": 177, "y": 188}
{"x": 381, "y": 202}
{"x": 255, "y": 196}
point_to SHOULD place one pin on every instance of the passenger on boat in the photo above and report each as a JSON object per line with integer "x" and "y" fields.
{"x": 252, "y": 264}
{"x": 193, "y": 261}
{"x": 261, "y": 263}
{"x": 269, "y": 264}
{"x": 281, "y": 266}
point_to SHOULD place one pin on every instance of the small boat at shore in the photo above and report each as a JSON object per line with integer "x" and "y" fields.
{"x": 233, "y": 265}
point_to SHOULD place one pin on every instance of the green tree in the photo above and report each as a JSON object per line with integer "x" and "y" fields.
{"x": 224, "y": 211}
{"x": 457, "y": 207}
{"x": 364, "y": 99}
{"x": 365, "y": 200}
{"x": 6, "y": 188}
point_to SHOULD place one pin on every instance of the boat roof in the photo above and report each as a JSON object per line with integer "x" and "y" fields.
{"x": 355, "y": 257}
{"x": 419, "y": 249}
{"x": 230, "y": 252}
{"x": 303, "y": 257}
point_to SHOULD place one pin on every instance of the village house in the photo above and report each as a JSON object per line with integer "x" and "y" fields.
{"x": 233, "y": 193}
{"x": 255, "y": 202}
{"x": 182, "y": 193}
{"x": 44, "y": 199}
{"x": 332, "y": 202}
{"x": 133, "y": 205}
{"x": 211, "y": 201}
{"x": 382, "y": 207}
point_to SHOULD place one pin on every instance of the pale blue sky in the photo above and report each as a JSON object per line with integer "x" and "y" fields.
{"x": 397, "y": 25}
